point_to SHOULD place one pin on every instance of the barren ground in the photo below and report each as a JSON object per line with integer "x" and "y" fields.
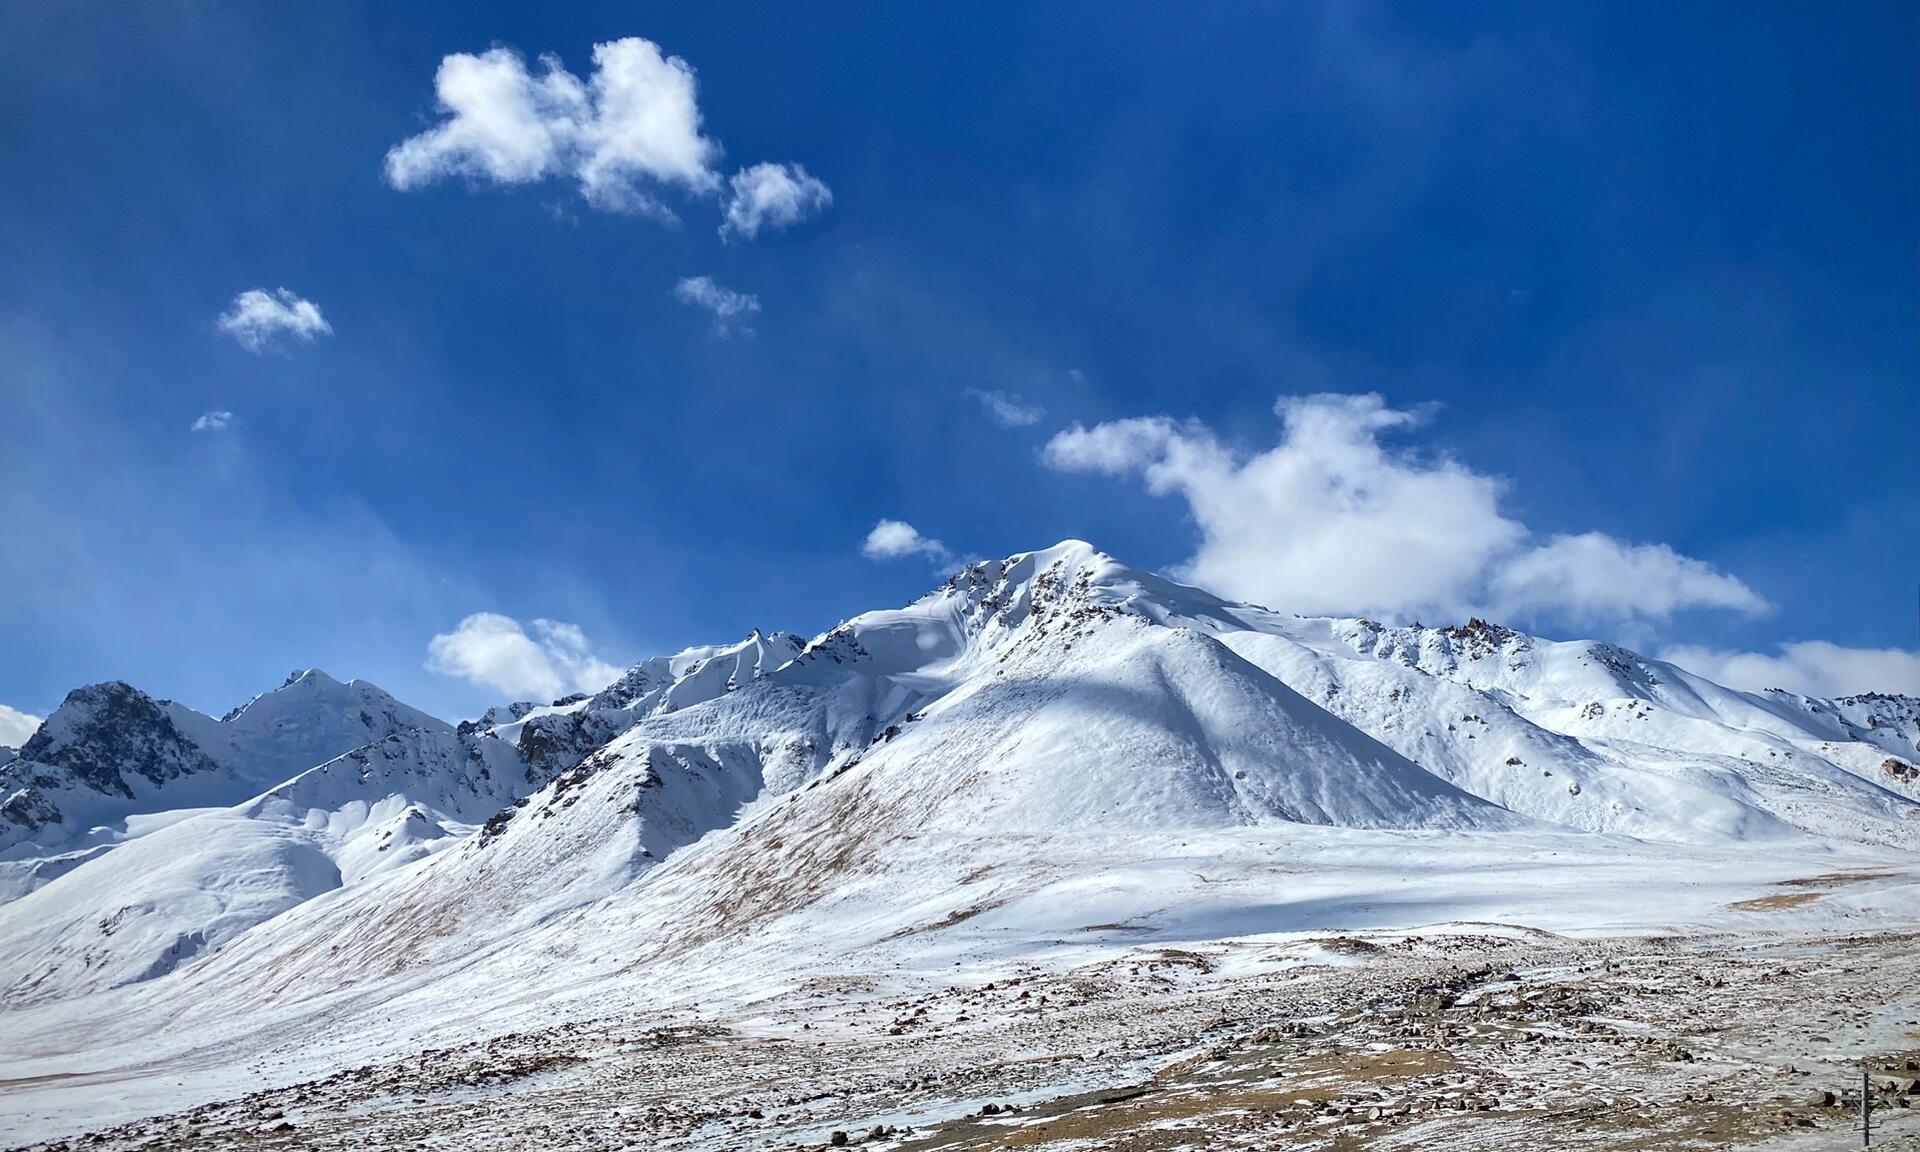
{"x": 1463, "y": 1040}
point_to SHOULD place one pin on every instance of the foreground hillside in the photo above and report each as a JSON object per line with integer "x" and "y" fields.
{"x": 1053, "y": 768}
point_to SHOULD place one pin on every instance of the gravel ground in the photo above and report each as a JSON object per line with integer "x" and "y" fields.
{"x": 1442, "y": 1042}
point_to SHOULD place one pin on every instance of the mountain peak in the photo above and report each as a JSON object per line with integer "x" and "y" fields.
{"x": 102, "y": 733}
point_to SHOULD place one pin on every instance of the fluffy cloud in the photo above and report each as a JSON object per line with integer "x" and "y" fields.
{"x": 631, "y": 125}
{"x": 631, "y": 128}
{"x": 258, "y": 319}
{"x": 213, "y": 420}
{"x": 772, "y": 196}
{"x": 495, "y": 652}
{"x": 1008, "y": 411}
{"x": 1809, "y": 667}
{"x": 729, "y": 308}
{"x": 892, "y": 539}
{"x": 16, "y": 726}
{"x": 1331, "y": 520}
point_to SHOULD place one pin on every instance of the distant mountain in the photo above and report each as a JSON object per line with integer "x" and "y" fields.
{"x": 111, "y": 752}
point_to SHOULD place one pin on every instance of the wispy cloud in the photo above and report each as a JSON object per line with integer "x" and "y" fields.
{"x": 772, "y": 196}
{"x": 213, "y": 420}
{"x": 892, "y": 539}
{"x": 1809, "y": 667}
{"x": 260, "y": 320}
{"x": 1007, "y": 410}
{"x": 627, "y": 131}
{"x": 495, "y": 652}
{"x": 1330, "y": 520}
{"x": 730, "y": 309}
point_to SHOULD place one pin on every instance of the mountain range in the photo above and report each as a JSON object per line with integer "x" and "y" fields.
{"x": 1045, "y": 748}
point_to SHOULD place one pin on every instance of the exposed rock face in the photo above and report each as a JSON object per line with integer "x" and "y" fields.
{"x": 104, "y": 732}
{"x": 552, "y": 744}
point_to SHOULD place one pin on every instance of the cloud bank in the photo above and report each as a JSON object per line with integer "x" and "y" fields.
{"x": 495, "y": 652}
{"x": 1332, "y": 521}
{"x": 260, "y": 320}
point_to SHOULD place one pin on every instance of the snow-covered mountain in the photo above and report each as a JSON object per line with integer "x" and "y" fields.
{"x": 111, "y": 751}
{"x": 1019, "y": 731}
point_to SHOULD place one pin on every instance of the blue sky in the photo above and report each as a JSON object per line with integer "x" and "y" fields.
{"x": 1599, "y": 317}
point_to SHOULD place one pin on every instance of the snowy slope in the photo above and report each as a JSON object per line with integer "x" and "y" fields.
{"x": 187, "y": 881}
{"x": 148, "y": 904}
{"x": 696, "y": 674}
{"x": 1683, "y": 757}
{"x": 1526, "y": 747}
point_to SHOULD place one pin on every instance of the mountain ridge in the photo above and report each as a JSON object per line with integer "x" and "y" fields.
{"x": 1051, "y": 693}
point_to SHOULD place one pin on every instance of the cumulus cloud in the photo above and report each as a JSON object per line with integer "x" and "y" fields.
{"x": 632, "y": 125}
{"x": 892, "y": 539}
{"x": 495, "y": 652}
{"x": 1008, "y": 411}
{"x": 16, "y": 726}
{"x": 1332, "y": 520}
{"x": 213, "y": 420}
{"x": 260, "y": 320}
{"x": 730, "y": 309}
{"x": 628, "y": 130}
{"x": 771, "y": 196}
{"x": 1809, "y": 667}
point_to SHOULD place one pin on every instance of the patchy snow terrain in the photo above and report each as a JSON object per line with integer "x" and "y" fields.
{"x": 1057, "y": 830}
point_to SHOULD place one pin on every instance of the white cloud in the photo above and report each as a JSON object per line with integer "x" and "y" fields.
{"x": 1595, "y": 577}
{"x": 772, "y": 196}
{"x": 1008, "y": 411}
{"x": 502, "y": 123}
{"x": 892, "y": 539}
{"x": 213, "y": 420}
{"x": 633, "y": 124}
{"x": 631, "y": 128}
{"x": 258, "y": 319}
{"x": 646, "y": 126}
{"x": 1330, "y": 520}
{"x": 495, "y": 652}
{"x": 1809, "y": 667}
{"x": 729, "y": 308}
{"x": 16, "y": 726}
